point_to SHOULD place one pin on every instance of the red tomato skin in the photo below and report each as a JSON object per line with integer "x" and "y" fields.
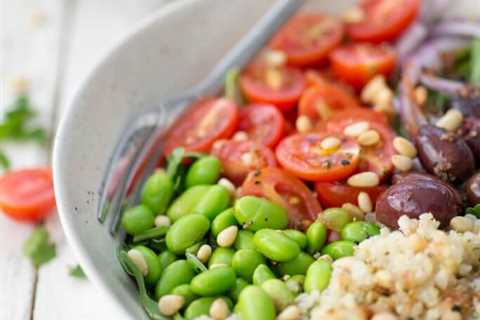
{"x": 187, "y": 124}
{"x": 335, "y": 194}
{"x": 263, "y": 123}
{"x": 392, "y": 25}
{"x": 348, "y": 64}
{"x": 27, "y": 195}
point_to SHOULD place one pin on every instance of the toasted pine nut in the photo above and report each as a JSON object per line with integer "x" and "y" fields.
{"x": 228, "y": 185}
{"x": 204, "y": 253}
{"x": 303, "y": 124}
{"x": 368, "y": 138}
{"x": 247, "y": 158}
{"x": 353, "y": 15}
{"x": 219, "y": 309}
{"x": 364, "y": 179}
{"x": 404, "y": 147}
{"x": 227, "y": 236}
{"x": 139, "y": 260}
{"x": 290, "y": 313}
{"x": 461, "y": 224}
{"x": 364, "y": 202}
{"x": 275, "y": 58}
{"x": 421, "y": 95}
{"x": 170, "y": 304}
{"x": 330, "y": 143}
{"x": 240, "y": 136}
{"x": 451, "y": 120}
{"x": 356, "y": 129}
{"x": 354, "y": 211}
{"x": 402, "y": 163}
{"x": 274, "y": 78}
{"x": 162, "y": 220}
{"x": 371, "y": 89}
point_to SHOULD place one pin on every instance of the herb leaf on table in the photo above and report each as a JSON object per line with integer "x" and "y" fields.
{"x": 38, "y": 247}
{"x": 77, "y": 272}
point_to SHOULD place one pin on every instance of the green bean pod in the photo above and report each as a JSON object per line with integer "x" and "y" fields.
{"x": 214, "y": 201}
{"x": 256, "y": 213}
{"x": 205, "y": 170}
{"x": 316, "y": 237}
{"x": 221, "y": 256}
{"x": 357, "y": 231}
{"x": 186, "y": 292}
{"x": 298, "y": 265}
{"x": 224, "y": 220}
{"x": 201, "y": 307}
{"x": 262, "y": 273}
{"x": 244, "y": 240}
{"x": 186, "y": 232}
{"x": 158, "y": 192}
{"x": 339, "y": 249}
{"x": 318, "y": 275}
{"x": 214, "y": 281}
{"x": 279, "y": 292}
{"x": 245, "y": 261}
{"x": 254, "y": 304}
{"x": 299, "y": 237}
{"x": 177, "y": 273}
{"x": 275, "y": 245}
{"x": 137, "y": 220}
{"x": 185, "y": 203}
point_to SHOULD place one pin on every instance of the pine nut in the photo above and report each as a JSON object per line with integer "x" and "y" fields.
{"x": 421, "y": 95}
{"x": 275, "y": 58}
{"x": 247, "y": 158}
{"x": 139, "y": 260}
{"x": 364, "y": 202}
{"x": 354, "y": 211}
{"x": 240, "y": 136}
{"x": 353, "y": 15}
{"x": 219, "y": 309}
{"x": 290, "y": 313}
{"x": 162, "y": 220}
{"x": 402, "y": 163}
{"x": 228, "y": 185}
{"x": 330, "y": 143}
{"x": 368, "y": 138}
{"x": 461, "y": 224}
{"x": 384, "y": 316}
{"x": 364, "y": 179}
{"x": 227, "y": 236}
{"x": 356, "y": 129}
{"x": 170, "y": 304}
{"x": 303, "y": 124}
{"x": 404, "y": 147}
{"x": 204, "y": 253}
{"x": 451, "y": 120}
{"x": 372, "y": 88}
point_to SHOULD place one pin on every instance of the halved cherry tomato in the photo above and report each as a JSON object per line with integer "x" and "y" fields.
{"x": 286, "y": 190}
{"x": 27, "y": 194}
{"x": 308, "y": 38}
{"x": 335, "y": 194}
{"x": 302, "y": 156}
{"x": 241, "y": 157}
{"x": 385, "y": 20}
{"x": 277, "y": 85}
{"x": 263, "y": 123}
{"x": 378, "y": 157}
{"x": 205, "y": 121}
{"x": 357, "y": 63}
{"x": 325, "y": 98}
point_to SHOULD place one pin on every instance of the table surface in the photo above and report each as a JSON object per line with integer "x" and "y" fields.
{"x": 53, "y": 44}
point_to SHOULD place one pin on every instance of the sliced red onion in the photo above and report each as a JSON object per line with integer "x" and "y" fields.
{"x": 432, "y": 10}
{"x": 446, "y": 86}
{"x": 457, "y": 27}
{"x": 411, "y": 40}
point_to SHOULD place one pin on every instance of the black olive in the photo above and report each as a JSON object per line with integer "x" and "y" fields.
{"x": 472, "y": 189}
{"x": 471, "y": 134}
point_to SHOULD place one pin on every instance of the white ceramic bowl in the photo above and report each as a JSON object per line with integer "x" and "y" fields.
{"x": 163, "y": 56}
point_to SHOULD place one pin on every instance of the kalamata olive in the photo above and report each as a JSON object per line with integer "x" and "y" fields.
{"x": 469, "y": 106}
{"x": 471, "y": 134}
{"x": 472, "y": 189}
{"x": 416, "y": 194}
{"x": 444, "y": 154}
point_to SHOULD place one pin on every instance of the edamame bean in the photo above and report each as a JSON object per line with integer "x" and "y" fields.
{"x": 358, "y": 231}
{"x": 245, "y": 261}
{"x": 213, "y": 282}
{"x": 165, "y": 259}
{"x": 138, "y": 219}
{"x": 224, "y": 220}
{"x": 318, "y": 275}
{"x": 262, "y": 273}
{"x": 299, "y": 237}
{"x": 256, "y": 213}
{"x": 221, "y": 256}
{"x": 154, "y": 269}
{"x": 254, "y": 303}
{"x": 339, "y": 249}
{"x": 298, "y": 265}
{"x": 316, "y": 237}
{"x": 205, "y": 170}
{"x": 186, "y": 292}
{"x": 240, "y": 284}
{"x": 244, "y": 240}
{"x": 201, "y": 307}
{"x": 177, "y": 273}
{"x": 158, "y": 192}
{"x": 275, "y": 245}
{"x": 335, "y": 218}
{"x": 214, "y": 201}
{"x": 186, "y": 232}
{"x": 185, "y": 203}
{"x": 278, "y": 291}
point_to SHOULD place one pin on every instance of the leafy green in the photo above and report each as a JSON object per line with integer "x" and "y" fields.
{"x": 232, "y": 89}
{"x": 475, "y": 62}
{"x": 195, "y": 262}
{"x": 151, "y": 234}
{"x": 176, "y": 167}
{"x": 150, "y": 305}
{"x": 38, "y": 247}
{"x": 4, "y": 161}
{"x": 77, "y": 272}
{"x": 475, "y": 210}
{"x": 397, "y": 125}
{"x": 436, "y": 102}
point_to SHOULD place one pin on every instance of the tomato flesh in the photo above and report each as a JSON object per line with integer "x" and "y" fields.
{"x": 262, "y": 123}
{"x": 286, "y": 190}
{"x": 204, "y": 122}
{"x": 303, "y": 156}
{"x": 238, "y": 158}
{"x": 357, "y": 63}
{"x": 385, "y": 20}
{"x": 308, "y": 38}
{"x": 27, "y": 195}
{"x": 335, "y": 194}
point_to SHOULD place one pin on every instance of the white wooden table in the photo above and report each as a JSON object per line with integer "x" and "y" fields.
{"x": 52, "y": 44}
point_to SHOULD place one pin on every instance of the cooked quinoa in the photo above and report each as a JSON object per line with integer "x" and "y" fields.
{"x": 416, "y": 272}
